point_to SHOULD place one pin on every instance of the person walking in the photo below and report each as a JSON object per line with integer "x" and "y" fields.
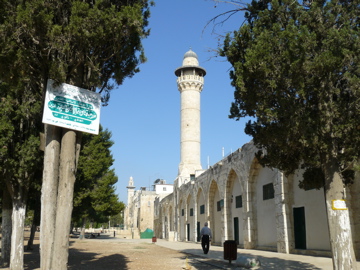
{"x": 205, "y": 235}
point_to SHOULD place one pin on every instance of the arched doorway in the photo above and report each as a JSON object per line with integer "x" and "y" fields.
{"x": 182, "y": 220}
{"x": 190, "y": 219}
{"x": 234, "y": 209}
{"x": 216, "y": 204}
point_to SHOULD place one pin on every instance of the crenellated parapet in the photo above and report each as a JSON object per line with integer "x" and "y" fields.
{"x": 184, "y": 85}
{"x": 190, "y": 78}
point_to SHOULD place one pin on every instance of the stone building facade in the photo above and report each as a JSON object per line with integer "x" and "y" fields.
{"x": 258, "y": 207}
{"x": 139, "y": 211}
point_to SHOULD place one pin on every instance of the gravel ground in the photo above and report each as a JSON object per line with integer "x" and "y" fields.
{"x": 109, "y": 253}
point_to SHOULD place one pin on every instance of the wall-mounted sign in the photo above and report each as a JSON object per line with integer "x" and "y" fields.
{"x": 72, "y": 107}
{"x": 339, "y": 205}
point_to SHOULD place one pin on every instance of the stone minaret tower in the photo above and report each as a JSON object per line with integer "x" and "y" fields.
{"x": 190, "y": 82}
{"x": 131, "y": 190}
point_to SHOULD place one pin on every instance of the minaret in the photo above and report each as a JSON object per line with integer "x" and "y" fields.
{"x": 190, "y": 82}
{"x": 130, "y": 189}
{"x": 127, "y": 215}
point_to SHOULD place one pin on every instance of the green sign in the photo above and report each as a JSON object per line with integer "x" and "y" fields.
{"x": 72, "y": 110}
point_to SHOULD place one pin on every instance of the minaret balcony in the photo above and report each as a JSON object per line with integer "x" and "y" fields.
{"x": 190, "y": 78}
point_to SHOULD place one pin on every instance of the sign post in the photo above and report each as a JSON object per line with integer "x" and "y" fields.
{"x": 72, "y": 107}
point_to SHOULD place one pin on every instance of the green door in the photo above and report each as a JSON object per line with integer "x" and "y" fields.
{"x": 299, "y": 228}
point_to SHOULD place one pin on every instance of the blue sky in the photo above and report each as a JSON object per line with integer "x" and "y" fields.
{"x": 144, "y": 113}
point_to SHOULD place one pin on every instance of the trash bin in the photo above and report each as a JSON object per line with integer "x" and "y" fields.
{"x": 154, "y": 239}
{"x": 230, "y": 250}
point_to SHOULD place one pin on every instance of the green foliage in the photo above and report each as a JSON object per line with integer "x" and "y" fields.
{"x": 29, "y": 218}
{"x": 315, "y": 178}
{"x": 296, "y": 73}
{"x": 94, "y": 194}
{"x": 117, "y": 220}
{"x": 86, "y": 43}
{"x": 20, "y": 121}
{"x": 21, "y": 161}
{"x": 90, "y": 44}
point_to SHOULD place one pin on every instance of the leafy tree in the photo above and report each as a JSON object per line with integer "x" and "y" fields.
{"x": 95, "y": 199}
{"x": 117, "y": 220}
{"x": 20, "y": 162}
{"x": 89, "y": 44}
{"x": 296, "y": 73}
{"x": 104, "y": 200}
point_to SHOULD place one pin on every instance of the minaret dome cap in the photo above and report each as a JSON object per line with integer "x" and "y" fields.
{"x": 191, "y": 62}
{"x": 190, "y": 53}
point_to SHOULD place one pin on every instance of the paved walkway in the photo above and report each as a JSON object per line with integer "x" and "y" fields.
{"x": 268, "y": 260}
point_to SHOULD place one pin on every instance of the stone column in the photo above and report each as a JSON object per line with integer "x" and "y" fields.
{"x": 226, "y": 217}
{"x": 283, "y": 213}
{"x": 250, "y": 228}
{"x": 195, "y": 219}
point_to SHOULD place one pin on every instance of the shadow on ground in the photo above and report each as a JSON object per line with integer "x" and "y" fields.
{"x": 80, "y": 259}
{"x": 267, "y": 263}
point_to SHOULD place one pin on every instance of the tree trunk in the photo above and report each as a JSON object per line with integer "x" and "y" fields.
{"x": 17, "y": 236}
{"x": 354, "y": 190}
{"x": 343, "y": 255}
{"x": 35, "y": 223}
{"x": 64, "y": 200}
{"x": 49, "y": 194}
{"x": 6, "y": 228}
{"x": 32, "y": 236}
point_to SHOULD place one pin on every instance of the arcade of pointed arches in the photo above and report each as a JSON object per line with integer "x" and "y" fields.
{"x": 258, "y": 207}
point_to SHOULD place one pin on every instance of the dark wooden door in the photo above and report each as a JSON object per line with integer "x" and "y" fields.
{"x": 198, "y": 231}
{"x": 188, "y": 231}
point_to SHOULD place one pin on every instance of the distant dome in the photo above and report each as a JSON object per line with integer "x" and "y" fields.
{"x": 190, "y": 53}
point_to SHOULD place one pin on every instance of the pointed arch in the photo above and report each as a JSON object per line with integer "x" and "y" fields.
{"x": 215, "y": 212}
{"x": 262, "y": 209}
{"x": 190, "y": 217}
{"x": 171, "y": 219}
{"x": 201, "y": 212}
{"x": 182, "y": 220}
{"x": 250, "y": 219}
{"x": 234, "y": 208}
{"x": 164, "y": 223}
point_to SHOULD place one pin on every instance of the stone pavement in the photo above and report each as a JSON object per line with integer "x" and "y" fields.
{"x": 268, "y": 260}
